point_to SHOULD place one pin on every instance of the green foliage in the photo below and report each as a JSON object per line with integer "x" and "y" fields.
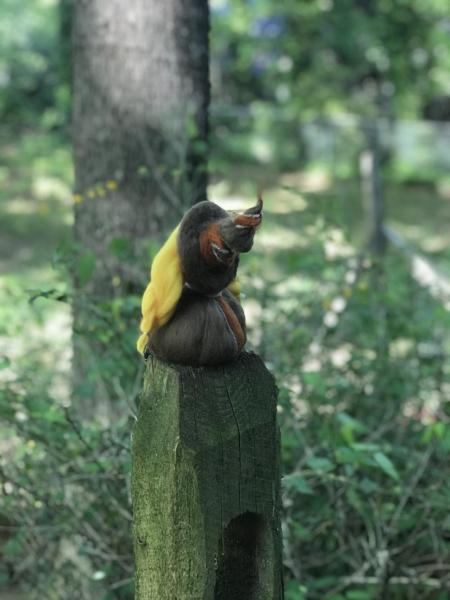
{"x": 65, "y": 515}
{"x": 360, "y": 355}
{"x": 33, "y": 77}
{"x": 323, "y": 55}
{"x": 65, "y": 499}
{"x": 295, "y": 83}
{"x": 85, "y": 268}
{"x": 359, "y": 351}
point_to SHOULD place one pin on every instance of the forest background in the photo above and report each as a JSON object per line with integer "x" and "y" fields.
{"x": 305, "y": 95}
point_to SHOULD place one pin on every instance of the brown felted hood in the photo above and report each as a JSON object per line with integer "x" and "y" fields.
{"x": 209, "y": 243}
{"x": 238, "y": 230}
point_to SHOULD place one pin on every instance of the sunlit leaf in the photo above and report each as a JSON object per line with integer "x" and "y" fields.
{"x": 386, "y": 465}
{"x": 297, "y": 483}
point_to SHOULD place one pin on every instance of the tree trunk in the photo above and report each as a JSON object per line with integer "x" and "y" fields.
{"x": 140, "y": 100}
{"x": 140, "y": 89}
{"x": 206, "y": 484}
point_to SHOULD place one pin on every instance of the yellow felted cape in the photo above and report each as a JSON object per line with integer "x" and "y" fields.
{"x": 164, "y": 290}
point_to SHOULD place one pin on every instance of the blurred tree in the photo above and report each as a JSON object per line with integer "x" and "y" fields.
{"x": 324, "y": 56}
{"x": 140, "y": 106}
{"x": 140, "y": 99}
{"x": 30, "y": 90}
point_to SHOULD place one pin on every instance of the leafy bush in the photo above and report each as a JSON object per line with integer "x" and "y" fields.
{"x": 34, "y": 59}
{"x": 66, "y": 501}
{"x": 359, "y": 351}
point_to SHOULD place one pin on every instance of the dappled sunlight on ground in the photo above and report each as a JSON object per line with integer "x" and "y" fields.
{"x": 35, "y": 216}
{"x": 419, "y": 213}
{"x": 436, "y": 244}
{"x": 313, "y": 181}
{"x": 294, "y": 284}
{"x": 44, "y": 188}
{"x": 443, "y": 189}
{"x": 19, "y": 206}
{"x": 283, "y": 201}
{"x": 278, "y": 237}
{"x": 336, "y": 246}
{"x": 40, "y": 337}
{"x": 427, "y": 276}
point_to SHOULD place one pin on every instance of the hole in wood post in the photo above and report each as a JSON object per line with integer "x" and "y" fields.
{"x": 242, "y": 559}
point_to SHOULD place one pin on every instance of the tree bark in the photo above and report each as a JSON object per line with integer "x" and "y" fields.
{"x": 372, "y": 191}
{"x": 140, "y": 101}
{"x": 206, "y": 484}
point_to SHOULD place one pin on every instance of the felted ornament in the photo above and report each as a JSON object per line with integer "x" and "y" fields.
{"x": 190, "y": 309}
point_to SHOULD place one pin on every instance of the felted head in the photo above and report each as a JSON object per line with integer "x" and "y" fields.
{"x": 210, "y": 241}
{"x": 198, "y": 262}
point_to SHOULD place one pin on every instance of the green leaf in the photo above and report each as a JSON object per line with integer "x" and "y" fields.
{"x": 191, "y": 128}
{"x": 360, "y": 447}
{"x": 302, "y": 533}
{"x": 92, "y": 468}
{"x": 13, "y": 546}
{"x": 50, "y": 294}
{"x": 297, "y": 483}
{"x": 321, "y": 465}
{"x": 386, "y": 465}
{"x": 433, "y": 431}
{"x": 86, "y": 268}
{"x": 143, "y": 171}
{"x": 316, "y": 381}
{"x": 350, "y": 422}
{"x": 50, "y": 414}
{"x": 347, "y": 456}
{"x": 152, "y": 249}
{"x": 368, "y": 486}
{"x": 358, "y": 595}
{"x": 321, "y": 583}
{"x": 4, "y": 362}
{"x": 294, "y": 591}
{"x": 354, "y": 499}
{"x": 121, "y": 247}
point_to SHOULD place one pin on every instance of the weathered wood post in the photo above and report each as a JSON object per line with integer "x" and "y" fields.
{"x": 372, "y": 190}
{"x": 206, "y": 483}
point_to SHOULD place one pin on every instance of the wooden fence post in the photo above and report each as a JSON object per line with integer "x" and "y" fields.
{"x": 372, "y": 190}
{"x": 206, "y": 483}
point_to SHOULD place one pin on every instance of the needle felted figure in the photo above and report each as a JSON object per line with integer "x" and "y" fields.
{"x": 190, "y": 310}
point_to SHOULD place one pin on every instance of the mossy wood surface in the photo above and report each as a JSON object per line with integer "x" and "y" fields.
{"x": 205, "y": 484}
